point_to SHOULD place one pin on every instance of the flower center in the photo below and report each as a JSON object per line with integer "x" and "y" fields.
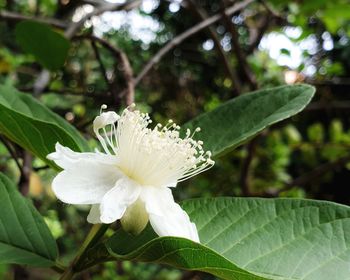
{"x": 154, "y": 157}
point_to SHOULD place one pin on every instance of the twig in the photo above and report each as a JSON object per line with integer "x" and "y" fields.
{"x": 44, "y": 77}
{"x": 238, "y": 51}
{"x": 317, "y": 172}
{"x": 129, "y": 79}
{"x": 246, "y": 169}
{"x": 11, "y": 16}
{"x": 12, "y": 152}
{"x": 258, "y": 34}
{"x": 125, "y": 68}
{"x": 102, "y": 67}
{"x": 328, "y": 105}
{"x": 25, "y": 174}
{"x": 74, "y": 28}
{"x": 183, "y": 36}
{"x": 231, "y": 72}
{"x": 271, "y": 10}
{"x": 25, "y": 169}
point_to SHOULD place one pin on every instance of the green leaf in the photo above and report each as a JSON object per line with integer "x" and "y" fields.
{"x": 249, "y": 238}
{"x": 241, "y": 118}
{"x": 24, "y": 236}
{"x": 178, "y": 252}
{"x": 48, "y": 47}
{"x": 31, "y": 125}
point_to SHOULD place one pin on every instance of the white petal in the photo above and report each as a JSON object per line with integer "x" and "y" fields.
{"x": 86, "y": 182}
{"x": 94, "y": 214}
{"x": 135, "y": 218}
{"x": 105, "y": 119}
{"x": 114, "y": 203}
{"x": 66, "y": 158}
{"x": 166, "y": 217}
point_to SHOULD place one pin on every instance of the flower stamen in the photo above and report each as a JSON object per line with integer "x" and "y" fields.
{"x": 155, "y": 157}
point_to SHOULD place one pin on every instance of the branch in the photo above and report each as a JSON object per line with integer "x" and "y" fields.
{"x": 11, "y": 151}
{"x": 44, "y": 77}
{"x": 258, "y": 34}
{"x": 129, "y": 79}
{"x": 183, "y": 36}
{"x": 10, "y": 16}
{"x": 201, "y": 13}
{"x": 316, "y": 173}
{"x": 328, "y": 105}
{"x": 74, "y": 28}
{"x": 125, "y": 68}
{"x": 25, "y": 169}
{"x": 238, "y": 51}
{"x": 102, "y": 67}
{"x": 246, "y": 168}
{"x": 25, "y": 174}
{"x": 272, "y": 12}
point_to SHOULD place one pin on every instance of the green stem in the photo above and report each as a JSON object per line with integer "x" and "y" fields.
{"x": 95, "y": 234}
{"x": 58, "y": 267}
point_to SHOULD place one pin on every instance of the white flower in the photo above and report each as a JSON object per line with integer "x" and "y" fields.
{"x": 131, "y": 181}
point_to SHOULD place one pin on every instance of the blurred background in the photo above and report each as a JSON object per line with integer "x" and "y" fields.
{"x": 177, "y": 59}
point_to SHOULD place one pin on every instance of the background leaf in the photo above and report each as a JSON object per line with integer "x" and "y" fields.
{"x": 273, "y": 238}
{"x": 24, "y": 236}
{"x": 31, "y": 125}
{"x": 48, "y": 47}
{"x": 241, "y": 118}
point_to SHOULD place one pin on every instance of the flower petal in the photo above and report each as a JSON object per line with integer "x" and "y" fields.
{"x": 66, "y": 158}
{"x": 86, "y": 182}
{"x": 94, "y": 214}
{"x": 135, "y": 218}
{"x": 106, "y": 118}
{"x": 167, "y": 217}
{"x": 114, "y": 203}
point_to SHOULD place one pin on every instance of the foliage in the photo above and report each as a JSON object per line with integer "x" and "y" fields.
{"x": 228, "y": 79}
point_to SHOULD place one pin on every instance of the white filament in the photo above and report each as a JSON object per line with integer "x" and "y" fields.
{"x": 152, "y": 157}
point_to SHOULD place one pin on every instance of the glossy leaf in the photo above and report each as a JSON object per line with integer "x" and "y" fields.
{"x": 244, "y": 238}
{"x": 241, "y": 118}
{"x": 48, "y": 47}
{"x": 31, "y": 125}
{"x": 24, "y": 236}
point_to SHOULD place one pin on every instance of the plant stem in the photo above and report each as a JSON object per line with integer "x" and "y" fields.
{"x": 92, "y": 238}
{"x": 58, "y": 267}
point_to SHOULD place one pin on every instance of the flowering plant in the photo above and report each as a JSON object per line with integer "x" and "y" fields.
{"x": 131, "y": 181}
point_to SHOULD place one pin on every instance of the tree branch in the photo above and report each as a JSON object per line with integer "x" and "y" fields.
{"x": 121, "y": 57}
{"x": 258, "y": 34}
{"x": 25, "y": 168}
{"x": 183, "y": 36}
{"x": 11, "y": 16}
{"x": 231, "y": 72}
{"x": 238, "y": 51}
{"x": 317, "y": 172}
{"x": 74, "y": 27}
{"x": 25, "y": 174}
{"x": 102, "y": 67}
{"x": 11, "y": 151}
{"x": 246, "y": 169}
{"x": 44, "y": 77}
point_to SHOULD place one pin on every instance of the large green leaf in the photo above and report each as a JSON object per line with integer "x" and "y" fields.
{"x": 24, "y": 236}
{"x": 33, "y": 126}
{"x": 48, "y": 47}
{"x": 246, "y": 237}
{"x": 239, "y": 119}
